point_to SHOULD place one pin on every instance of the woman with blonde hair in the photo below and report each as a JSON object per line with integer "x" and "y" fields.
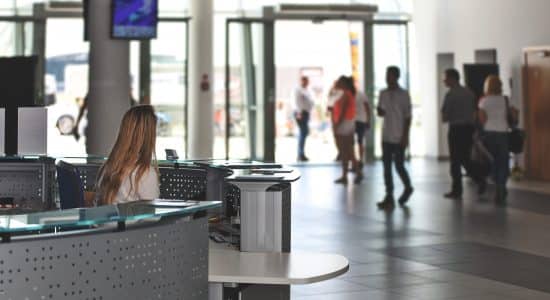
{"x": 496, "y": 116}
{"x": 131, "y": 173}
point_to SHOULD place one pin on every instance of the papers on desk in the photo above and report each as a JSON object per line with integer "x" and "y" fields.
{"x": 270, "y": 171}
{"x": 259, "y": 177}
{"x": 59, "y": 219}
{"x": 173, "y": 203}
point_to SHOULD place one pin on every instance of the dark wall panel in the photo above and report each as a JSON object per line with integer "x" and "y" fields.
{"x": 17, "y": 89}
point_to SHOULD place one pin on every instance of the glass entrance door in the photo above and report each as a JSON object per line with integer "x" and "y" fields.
{"x": 248, "y": 112}
{"x": 258, "y": 107}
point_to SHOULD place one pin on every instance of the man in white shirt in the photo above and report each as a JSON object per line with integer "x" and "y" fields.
{"x": 395, "y": 107}
{"x": 303, "y": 104}
{"x": 362, "y": 122}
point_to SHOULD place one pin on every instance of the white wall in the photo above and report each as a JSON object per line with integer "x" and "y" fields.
{"x": 462, "y": 26}
{"x": 423, "y": 68}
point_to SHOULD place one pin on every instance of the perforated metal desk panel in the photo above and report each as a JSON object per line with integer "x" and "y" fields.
{"x": 178, "y": 180}
{"x": 265, "y": 213}
{"x": 162, "y": 254}
{"x": 30, "y": 181}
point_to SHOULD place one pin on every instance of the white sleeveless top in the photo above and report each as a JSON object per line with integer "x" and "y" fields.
{"x": 148, "y": 188}
{"x": 495, "y": 108}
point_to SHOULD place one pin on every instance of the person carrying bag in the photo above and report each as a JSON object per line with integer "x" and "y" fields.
{"x": 497, "y": 117}
{"x": 516, "y": 136}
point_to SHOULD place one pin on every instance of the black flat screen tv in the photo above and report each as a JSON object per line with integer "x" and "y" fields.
{"x": 134, "y": 19}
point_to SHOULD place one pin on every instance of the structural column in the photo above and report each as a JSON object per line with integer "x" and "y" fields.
{"x": 266, "y": 121}
{"x": 368, "y": 82}
{"x": 109, "y": 80}
{"x": 201, "y": 100}
{"x": 39, "y": 48}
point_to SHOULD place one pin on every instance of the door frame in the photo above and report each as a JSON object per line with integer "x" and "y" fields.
{"x": 267, "y": 98}
{"x": 444, "y": 61}
{"x": 267, "y": 101}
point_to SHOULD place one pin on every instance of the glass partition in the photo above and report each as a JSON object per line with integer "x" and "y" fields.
{"x": 244, "y": 94}
{"x": 66, "y": 82}
{"x": 391, "y": 49}
{"x": 168, "y": 85}
{"x": 7, "y": 38}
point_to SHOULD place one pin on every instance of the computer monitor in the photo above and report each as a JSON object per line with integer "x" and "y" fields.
{"x": 134, "y": 19}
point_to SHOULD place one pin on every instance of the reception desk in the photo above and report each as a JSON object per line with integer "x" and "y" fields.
{"x": 128, "y": 251}
{"x": 139, "y": 251}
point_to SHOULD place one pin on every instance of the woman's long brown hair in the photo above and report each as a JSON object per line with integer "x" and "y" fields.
{"x": 133, "y": 151}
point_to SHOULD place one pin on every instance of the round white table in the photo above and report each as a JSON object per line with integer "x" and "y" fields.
{"x": 230, "y": 266}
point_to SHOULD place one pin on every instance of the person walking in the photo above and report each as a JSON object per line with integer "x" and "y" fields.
{"x": 362, "y": 125}
{"x": 303, "y": 104}
{"x": 344, "y": 127}
{"x": 496, "y": 115}
{"x": 459, "y": 109}
{"x": 334, "y": 94}
{"x": 395, "y": 107}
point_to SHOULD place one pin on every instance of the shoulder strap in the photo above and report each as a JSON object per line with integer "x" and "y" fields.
{"x": 508, "y": 113}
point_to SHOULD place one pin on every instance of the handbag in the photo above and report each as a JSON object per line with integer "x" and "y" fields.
{"x": 516, "y": 136}
{"x": 480, "y": 157}
{"x": 516, "y": 140}
{"x": 480, "y": 154}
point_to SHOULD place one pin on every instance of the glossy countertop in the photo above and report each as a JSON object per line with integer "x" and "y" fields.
{"x": 228, "y": 265}
{"x": 70, "y": 218}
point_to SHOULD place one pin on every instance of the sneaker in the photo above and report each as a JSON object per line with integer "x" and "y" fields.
{"x": 387, "y": 203}
{"x": 481, "y": 187}
{"x": 453, "y": 195}
{"x": 357, "y": 168}
{"x": 302, "y": 158}
{"x": 341, "y": 180}
{"x": 500, "y": 196}
{"x": 358, "y": 178}
{"x": 404, "y": 198}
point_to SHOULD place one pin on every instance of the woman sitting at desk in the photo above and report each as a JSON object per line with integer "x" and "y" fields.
{"x": 131, "y": 172}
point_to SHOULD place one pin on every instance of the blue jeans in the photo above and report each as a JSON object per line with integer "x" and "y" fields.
{"x": 497, "y": 144}
{"x": 394, "y": 154}
{"x": 303, "y": 125}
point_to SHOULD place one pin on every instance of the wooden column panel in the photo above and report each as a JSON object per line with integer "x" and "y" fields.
{"x": 537, "y": 112}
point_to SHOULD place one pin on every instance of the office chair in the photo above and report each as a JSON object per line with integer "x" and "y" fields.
{"x": 71, "y": 190}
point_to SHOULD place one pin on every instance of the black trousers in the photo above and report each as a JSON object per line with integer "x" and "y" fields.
{"x": 394, "y": 153}
{"x": 460, "y": 140}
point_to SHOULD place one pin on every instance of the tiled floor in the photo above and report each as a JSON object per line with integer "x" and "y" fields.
{"x": 432, "y": 249}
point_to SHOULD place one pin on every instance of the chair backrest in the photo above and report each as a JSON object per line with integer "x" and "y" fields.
{"x": 71, "y": 189}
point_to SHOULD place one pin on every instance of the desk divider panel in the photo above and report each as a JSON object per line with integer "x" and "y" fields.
{"x": 182, "y": 183}
{"x": 192, "y": 184}
{"x": 175, "y": 183}
{"x": 167, "y": 260}
{"x": 30, "y": 183}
